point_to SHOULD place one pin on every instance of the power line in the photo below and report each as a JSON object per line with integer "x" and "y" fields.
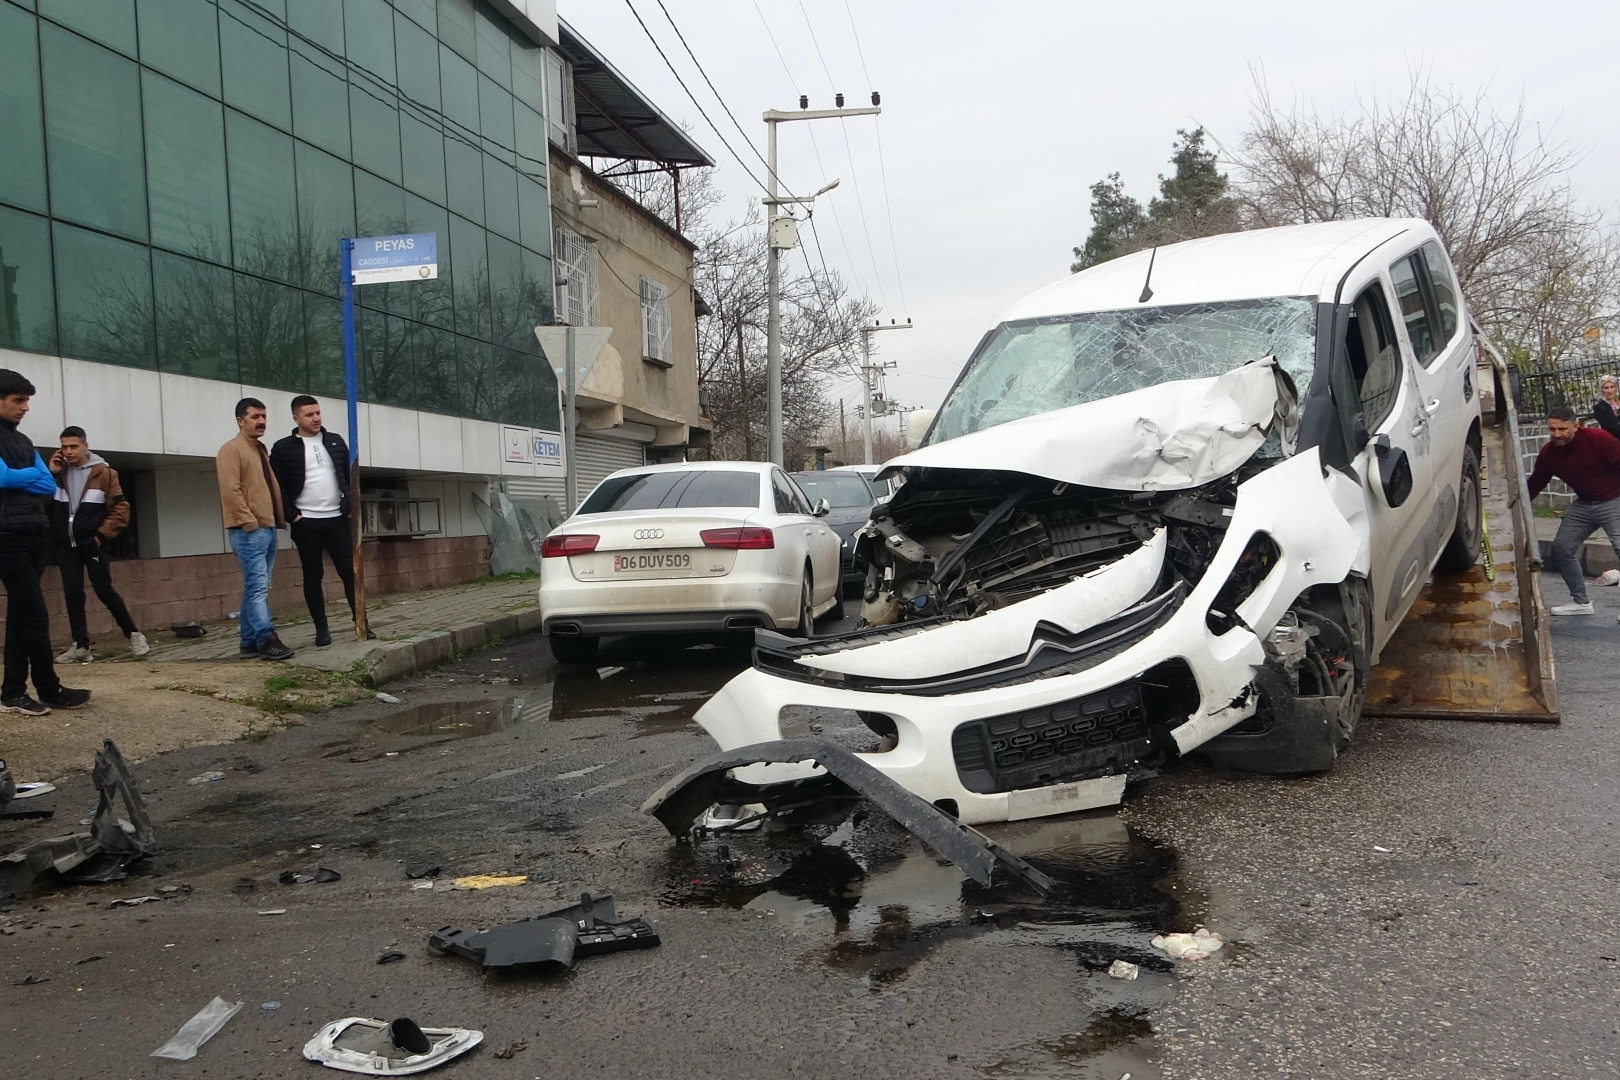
{"x": 883, "y": 169}
{"x": 712, "y": 126}
{"x": 746, "y": 138}
{"x": 854, "y": 174}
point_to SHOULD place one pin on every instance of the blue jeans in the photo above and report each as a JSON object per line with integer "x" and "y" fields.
{"x": 256, "y": 552}
{"x": 1581, "y": 520}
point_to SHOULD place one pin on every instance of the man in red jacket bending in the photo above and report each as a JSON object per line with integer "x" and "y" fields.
{"x": 1588, "y": 460}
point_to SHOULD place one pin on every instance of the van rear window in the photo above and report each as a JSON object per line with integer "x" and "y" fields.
{"x": 689, "y": 489}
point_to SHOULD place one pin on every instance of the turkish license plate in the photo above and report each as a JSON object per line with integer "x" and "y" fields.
{"x": 652, "y": 560}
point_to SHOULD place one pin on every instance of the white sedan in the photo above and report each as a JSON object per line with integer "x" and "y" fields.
{"x": 692, "y": 547}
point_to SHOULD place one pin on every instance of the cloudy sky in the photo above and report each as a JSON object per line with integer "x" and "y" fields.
{"x": 971, "y": 188}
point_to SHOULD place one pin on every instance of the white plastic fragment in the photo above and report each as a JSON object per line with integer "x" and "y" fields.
{"x": 206, "y": 778}
{"x": 274, "y": 911}
{"x": 1123, "y": 969}
{"x": 1385, "y": 850}
{"x": 1194, "y": 946}
{"x": 421, "y": 884}
{"x": 198, "y": 1030}
{"x": 387, "y": 699}
{"x": 1609, "y": 577}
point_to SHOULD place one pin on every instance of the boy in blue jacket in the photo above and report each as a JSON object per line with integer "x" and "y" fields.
{"x": 25, "y": 483}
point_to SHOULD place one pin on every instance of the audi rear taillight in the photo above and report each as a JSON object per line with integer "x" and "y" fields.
{"x": 558, "y": 546}
{"x": 747, "y": 538}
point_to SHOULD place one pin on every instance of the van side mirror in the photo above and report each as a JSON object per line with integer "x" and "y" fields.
{"x": 823, "y": 508}
{"x": 1394, "y": 471}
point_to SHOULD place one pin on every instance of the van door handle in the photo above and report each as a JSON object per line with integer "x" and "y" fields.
{"x": 1432, "y": 407}
{"x": 1420, "y": 427}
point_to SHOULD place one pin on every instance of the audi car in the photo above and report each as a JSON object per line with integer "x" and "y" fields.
{"x": 851, "y": 499}
{"x": 730, "y": 545}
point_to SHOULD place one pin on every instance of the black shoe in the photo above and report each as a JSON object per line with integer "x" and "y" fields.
{"x": 248, "y": 652}
{"x": 24, "y": 704}
{"x": 371, "y": 635}
{"x": 271, "y": 648}
{"x": 323, "y": 637}
{"x": 67, "y": 699}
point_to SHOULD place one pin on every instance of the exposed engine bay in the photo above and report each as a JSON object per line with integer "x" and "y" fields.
{"x": 1030, "y": 640}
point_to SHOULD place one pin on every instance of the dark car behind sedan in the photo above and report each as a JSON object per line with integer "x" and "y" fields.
{"x": 851, "y": 499}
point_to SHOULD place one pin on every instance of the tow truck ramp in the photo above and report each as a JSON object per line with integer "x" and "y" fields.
{"x": 1475, "y": 646}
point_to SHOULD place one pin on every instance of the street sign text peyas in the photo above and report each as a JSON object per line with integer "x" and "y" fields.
{"x": 410, "y": 257}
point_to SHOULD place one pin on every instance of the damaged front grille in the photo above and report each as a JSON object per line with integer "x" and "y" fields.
{"x": 1097, "y": 734}
{"x": 1052, "y": 651}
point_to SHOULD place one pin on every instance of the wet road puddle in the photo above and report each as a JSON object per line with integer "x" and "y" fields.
{"x": 455, "y": 719}
{"x": 658, "y": 697}
{"x": 881, "y": 904}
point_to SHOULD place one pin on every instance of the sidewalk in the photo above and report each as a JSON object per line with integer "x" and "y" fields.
{"x": 415, "y": 631}
{"x": 1597, "y": 554}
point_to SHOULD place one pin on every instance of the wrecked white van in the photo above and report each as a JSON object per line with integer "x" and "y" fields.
{"x": 1179, "y": 500}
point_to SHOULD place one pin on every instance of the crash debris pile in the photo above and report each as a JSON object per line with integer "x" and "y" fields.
{"x": 97, "y": 856}
{"x": 1194, "y": 946}
{"x": 548, "y": 944}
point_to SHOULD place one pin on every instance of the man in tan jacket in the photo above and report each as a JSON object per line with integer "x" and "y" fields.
{"x": 250, "y": 503}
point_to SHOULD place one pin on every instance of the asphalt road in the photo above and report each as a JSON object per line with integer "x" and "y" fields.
{"x": 1478, "y": 945}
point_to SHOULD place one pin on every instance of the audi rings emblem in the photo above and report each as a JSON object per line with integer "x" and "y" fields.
{"x": 648, "y": 534}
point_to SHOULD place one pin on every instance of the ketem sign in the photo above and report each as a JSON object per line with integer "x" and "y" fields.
{"x": 410, "y": 257}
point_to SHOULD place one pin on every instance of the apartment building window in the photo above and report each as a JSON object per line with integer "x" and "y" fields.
{"x": 559, "y": 89}
{"x": 655, "y": 322}
{"x": 576, "y": 278}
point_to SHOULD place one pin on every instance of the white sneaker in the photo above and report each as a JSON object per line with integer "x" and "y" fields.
{"x": 138, "y": 645}
{"x": 1572, "y": 609}
{"x": 75, "y": 655}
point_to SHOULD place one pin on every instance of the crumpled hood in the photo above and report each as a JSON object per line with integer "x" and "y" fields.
{"x": 1162, "y": 438}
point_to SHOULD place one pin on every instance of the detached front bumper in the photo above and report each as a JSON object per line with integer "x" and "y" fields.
{"x": 1069, "y": 739}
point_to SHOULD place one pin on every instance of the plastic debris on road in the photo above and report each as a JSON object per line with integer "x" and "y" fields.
{"x": 1194, "y": 946}
{"x": 490, "y": 881}
{"x": 198, "y": 1030}
{"x": 387, "y": 1048}
{"x": 1123, "y": 969}
{"x": 1384, "y": 850}
{"x": 206, "y": 778}
{"x": 387, "y": 699}
{"x": 1609, "y": 577}
{"x": 134, "y": 901}
{"x": 274, "y": 911}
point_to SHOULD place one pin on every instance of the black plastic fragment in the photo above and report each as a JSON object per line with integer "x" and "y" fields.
{"x": 549, "y": 943}
{"x": 422, "y": 869}
{"x": 390, "y": 957}
{"x": 679, "y": 803}
{"x": 323, "y": 875}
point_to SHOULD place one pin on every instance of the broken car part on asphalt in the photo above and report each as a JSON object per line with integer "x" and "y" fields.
{"x": 549, "y": 943}
{"x": 387, "y": 1048}
{"x": 835, "y": 773}
{"x": 198, "y": 1030}
{"x": 99, "y": 855}
{"x": 1194, "y": 946}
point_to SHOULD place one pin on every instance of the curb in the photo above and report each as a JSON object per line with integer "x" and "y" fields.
{"x": 399, "y": 659}
{"x": 1596, "y": 557}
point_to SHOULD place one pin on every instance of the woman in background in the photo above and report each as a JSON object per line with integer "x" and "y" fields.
{"x": 1606, "y": 409}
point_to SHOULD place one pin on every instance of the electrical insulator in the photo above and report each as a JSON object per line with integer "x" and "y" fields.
{"x": 877, "y": 99}
{"x": 839, "y": 98}
{"x": 804, "y": 101}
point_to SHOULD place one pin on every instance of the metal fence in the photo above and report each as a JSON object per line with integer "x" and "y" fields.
{"x": 1574, "y": 384}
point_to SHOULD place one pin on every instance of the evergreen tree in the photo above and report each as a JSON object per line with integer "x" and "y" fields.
{"x": 1192, "y": 202}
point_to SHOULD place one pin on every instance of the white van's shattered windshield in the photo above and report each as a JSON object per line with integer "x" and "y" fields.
{"x": 1038, "y": 365}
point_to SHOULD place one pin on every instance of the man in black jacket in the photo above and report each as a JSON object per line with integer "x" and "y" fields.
{"x": 312, "y": 467}
{"x": 24, "y": 529}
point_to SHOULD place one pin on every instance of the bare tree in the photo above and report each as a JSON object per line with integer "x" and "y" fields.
{"x": 1537, "y": 267}
{"x": 821, "y": 322}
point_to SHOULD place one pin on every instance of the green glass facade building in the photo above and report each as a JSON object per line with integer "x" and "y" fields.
{"x": 175, "y": 176}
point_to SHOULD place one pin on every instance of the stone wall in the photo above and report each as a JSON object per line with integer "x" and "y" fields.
{"x": 209, "y": 587}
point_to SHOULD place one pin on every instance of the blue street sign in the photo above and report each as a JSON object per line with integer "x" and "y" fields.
{"x": 409, "y": 257}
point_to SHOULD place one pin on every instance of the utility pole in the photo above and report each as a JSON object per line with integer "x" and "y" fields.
{"x": 781, "y": 238}
{"x": 867, "y": 371}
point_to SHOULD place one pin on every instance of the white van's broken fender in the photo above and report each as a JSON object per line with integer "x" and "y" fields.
{"x": 1007, "y": 632}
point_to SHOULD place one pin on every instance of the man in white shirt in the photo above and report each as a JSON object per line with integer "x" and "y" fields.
{"x": 312, "y": 467}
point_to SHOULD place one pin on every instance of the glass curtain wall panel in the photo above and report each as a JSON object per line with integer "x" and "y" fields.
{"x": 22, "y": 124}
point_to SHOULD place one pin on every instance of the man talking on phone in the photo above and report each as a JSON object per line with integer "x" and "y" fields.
{"x": 89, "y": 509}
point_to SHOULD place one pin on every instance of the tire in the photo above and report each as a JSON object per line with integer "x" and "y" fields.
{"x": 1462, "y": 550}
{"x": 574, "y": 648}
{"x": 1355, "y": 599}
{"x": 806, "y": 626}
